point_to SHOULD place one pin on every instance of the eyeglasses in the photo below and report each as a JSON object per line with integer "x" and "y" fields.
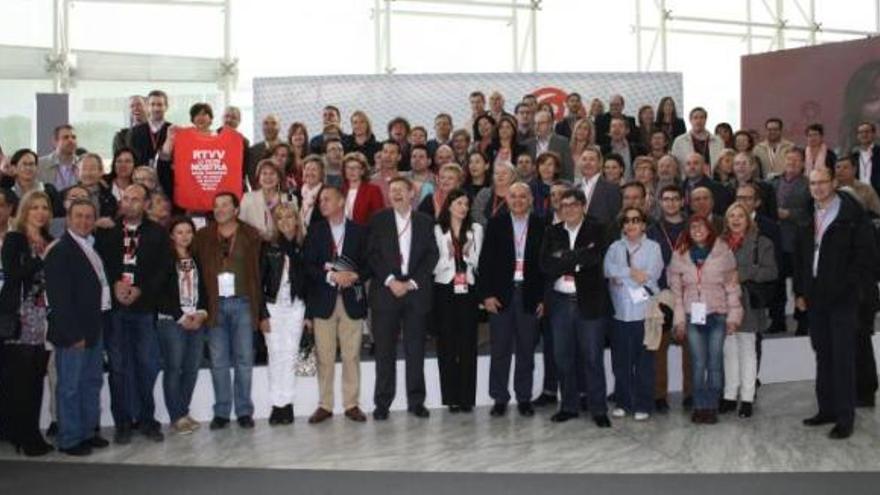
{"x": 632, "y": 220}
{"x": 569, "y": 204}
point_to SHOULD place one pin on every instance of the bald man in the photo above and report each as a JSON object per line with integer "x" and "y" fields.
{"x": 271, "y": 138}
{"x": 695, "y": 176}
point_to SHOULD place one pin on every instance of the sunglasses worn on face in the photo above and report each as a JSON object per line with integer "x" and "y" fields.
{"x": 635, "y": 220}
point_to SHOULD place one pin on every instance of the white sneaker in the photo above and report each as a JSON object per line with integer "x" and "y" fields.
{"x": 182, "y": 427}
{"x": 641, "y": 416}
{"x": 193, "y": 424}
{"x": 618, "y": 412}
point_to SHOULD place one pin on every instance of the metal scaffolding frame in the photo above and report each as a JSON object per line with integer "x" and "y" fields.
{"x": 524, "y": 41}
{"x": 776, "y": 32}
{"x": 61, "y": 61}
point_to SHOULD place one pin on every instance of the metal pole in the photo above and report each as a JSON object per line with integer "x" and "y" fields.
{"x": 227, "y": 52}
{"x": 514, "y": 23}
{"x": 813, "y": 22}
{"x": 64, "y": 73}
{"x": 663, "y": 31}
{"x": 877, "y": 10}
{"x": 387, "y": 39}
{"x": 639, "y": 35}
{"x": 780, "y": 26}
{"x": 749, "y": 26}
{"x": 377, "y": 38}
{"x": 534, "y": 21}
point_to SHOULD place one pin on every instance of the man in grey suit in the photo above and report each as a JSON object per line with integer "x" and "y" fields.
{"x": 603, "y": 198}
{"x": 546, "y": 140}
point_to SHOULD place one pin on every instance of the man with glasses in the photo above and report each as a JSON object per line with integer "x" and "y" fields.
{"x": 867, "y": 155}
{"x": 665, "y": 231}
{"x": 771, "y": 152}
{"x": 834, "y": 255}
{"x": 571, "y": 257}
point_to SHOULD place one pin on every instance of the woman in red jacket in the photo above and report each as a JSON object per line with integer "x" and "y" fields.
{"x": 362, "y": 199}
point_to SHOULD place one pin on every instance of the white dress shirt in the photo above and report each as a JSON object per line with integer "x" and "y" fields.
{"x": 86, "y": 244}
{"x": 565, "y": 283}
{"x": 865, "y": 156}
{"x": 403, "y": 223}
{"x": 588, "y": 186}
{"x": 350, "y": 198}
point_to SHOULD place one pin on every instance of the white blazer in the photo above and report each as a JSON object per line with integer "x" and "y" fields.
{"x": 444, "y": 272}
{"x": 253, "y": 211}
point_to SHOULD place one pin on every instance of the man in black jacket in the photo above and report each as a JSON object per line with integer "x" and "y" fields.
{"x": 833, "y": 256}
{"x": 148, "y": 138}
{"x": 77, "y": 287}
{"x": 336, "y": 270}
{"x": 402, "y": 253}
{"x": 135, "y": 253}
{"x": 579, "y": 305}
{"x": 511, "y": 288}
{"x": 695, "y": 176}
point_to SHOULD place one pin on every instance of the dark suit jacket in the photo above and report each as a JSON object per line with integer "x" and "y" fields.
{"x": 605, "y": 203}
{"x": 152, "y": 254}
{"x": 142, "y": 143}
{"x": 74, "y": 293}
{"x": 317, "y": 251}
{"x": 383, "y": 255}
{"x": 635, "y": 149}
{"x": 558, "y": 259}
{"x": 559, "y": 145}
{"x": 498, "y": 259}
{"x": 603, "y": 124}
{"x": 721, "y": 195}
{"x": 19, "y": 269}
{"x": 875, "y": 166}
{"x": 846, "y": 258}
{"x": 565, "y": 126}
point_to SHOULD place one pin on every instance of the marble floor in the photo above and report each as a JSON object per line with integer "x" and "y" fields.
{"x": 772, "y": 441}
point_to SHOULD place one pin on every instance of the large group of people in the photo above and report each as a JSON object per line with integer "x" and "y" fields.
{"x": 591, "y": 231}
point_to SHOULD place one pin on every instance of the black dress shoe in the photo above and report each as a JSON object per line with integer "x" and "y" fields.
{"x": 745, "y": 410}
{"x": 545, "y": 399}
{"x": 818, "y": 420}
{"x": 246, "y": 422}
{"x": 275, "y": 416}
{"x": 563, "y": 416}
{"x": 122, "y": 435}
{"x": 726, "y": 406}
{"x": 218, "y": 423}
{"x": 419, "y": 411}
{"x": 839, "y": 432}
{"x": 661, "y": 406}
{"x": 288, "y": 416}
{"x": 152, "y": 431}
{"x": 602, "y": 421}
{"x": 79, "y": 450}
{"x": 36, "y": 449}
{"x": 687, "y": 403}
{"x": 525, "y": 409}
{"x": 98, "y": 442}
{"x": 498, "y": 410}
{"x": 866, "y": 402}
{"x": 380, "y": 414}
{"x": 467, "y": 409}
{"x": 53, "y": 429}
{"x": 454, "y": 409}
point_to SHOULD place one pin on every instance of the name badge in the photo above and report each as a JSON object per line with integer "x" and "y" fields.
{"x": 200, "y": 222}
{"x": 226, "y": 284}
{"x": 698, "y": 313}
{"x": 460, "y": 284}
{"x": 518, "y": 269}
{"x": 638, "y": 295}
{"x": 566, "y": 284}
{"x": 128, "y": 278}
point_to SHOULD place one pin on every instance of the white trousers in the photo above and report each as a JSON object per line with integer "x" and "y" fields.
{"x": 740, "y": 366}
{"x": 282, "y": 343}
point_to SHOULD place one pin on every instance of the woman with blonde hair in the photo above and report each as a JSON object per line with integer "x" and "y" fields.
{"x": 582, "y": 135}
{"x": 257, "y": 205}
{"x": 755, "y": 264}
{"x": 362, "y": 138}
{"x": 283, "y": 278}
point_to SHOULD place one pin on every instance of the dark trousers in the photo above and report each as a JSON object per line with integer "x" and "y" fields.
{"x": 132, "y": 346}
{"x": 512, "y": 331}
{"x": 833, "y": 336}
{"x": 633, "y": 366}
{"x": 401, "y": 315}
{"x": 866, "y": 366}
{"x": 21, "y": 373}
{"x": 551, "y": 379}
{"x": 456, "y": 323}
{"x": 575, "y": 335}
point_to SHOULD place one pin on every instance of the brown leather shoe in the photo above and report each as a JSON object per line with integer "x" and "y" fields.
{"x": 320, "y": 415}
{"x": 355, "y": 414}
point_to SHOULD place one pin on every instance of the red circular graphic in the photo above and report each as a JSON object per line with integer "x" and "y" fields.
{"x": 555, "y": 97}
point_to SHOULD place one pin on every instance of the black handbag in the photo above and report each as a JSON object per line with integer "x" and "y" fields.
{"x": 10, "y": 326}
{"x": 761, "y": 294}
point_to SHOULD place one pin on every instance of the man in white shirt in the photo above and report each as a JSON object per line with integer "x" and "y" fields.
{"x": 698, "y": 140}
{"x": 867, "y": 155}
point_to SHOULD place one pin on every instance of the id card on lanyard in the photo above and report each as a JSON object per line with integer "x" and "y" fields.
{"x": 226, "y": 278}
{"x": 699, "y": 311}
{"x": 520, "y": 252}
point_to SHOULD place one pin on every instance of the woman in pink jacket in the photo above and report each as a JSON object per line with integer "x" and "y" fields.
{"x": 703, "y": 277}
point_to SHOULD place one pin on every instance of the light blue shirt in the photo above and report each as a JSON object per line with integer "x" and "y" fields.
{"x": 645, "y": 255}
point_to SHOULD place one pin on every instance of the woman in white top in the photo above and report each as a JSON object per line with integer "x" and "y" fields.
{"x": 257, "y": 205}
{"x": 459, "y": 241}
{"x": 313, "y": 181}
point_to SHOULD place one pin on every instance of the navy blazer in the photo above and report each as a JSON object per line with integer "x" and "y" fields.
{"x": 498, "y": 259}
{"x": 318, "y": 250}
{"x": 383, "y": 253}
{"x": 74, "y": 293}
{"x": 605, "y": 203}
{"x": 875, "y": 166}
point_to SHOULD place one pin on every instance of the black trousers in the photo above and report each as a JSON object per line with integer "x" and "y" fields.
{"x": 406, "y": 316}
{"x": 22, "y": 373}
{"x": 513, "y": 331}
{"x": 866, "y": 366}
{"x": 833, "y": 337}
{"x": 456, "y": 324}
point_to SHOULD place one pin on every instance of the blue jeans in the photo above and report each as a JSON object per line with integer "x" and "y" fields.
{"x": 181, "y": 355}
{"x": 707, "y": 354}
{"x": 78, "y": 393}
{"x": 231, "y": 343}
{"x": 133, "y": 353}
{"x": 573, "y": 336}
{"x": 633, "y": 367}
